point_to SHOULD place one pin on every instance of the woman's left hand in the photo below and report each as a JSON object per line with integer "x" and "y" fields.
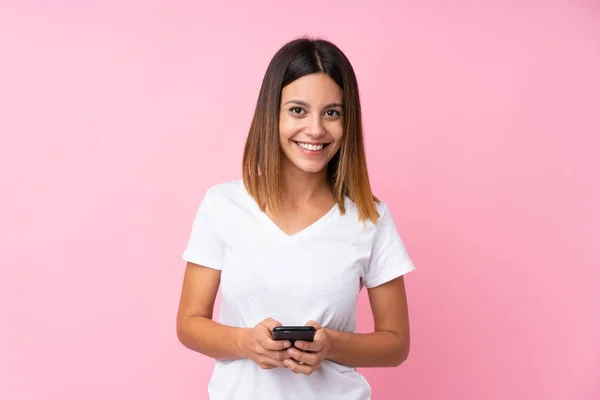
{"x": 307, "y": 357}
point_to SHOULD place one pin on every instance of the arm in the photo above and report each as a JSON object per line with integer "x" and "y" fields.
{"x": 195, "y": 328}
{"x": 389, "y": 344}
{"x": 197, "y": 331}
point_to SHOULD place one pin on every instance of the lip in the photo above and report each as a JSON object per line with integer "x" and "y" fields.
{"x": 315, "y": 143}
{"x": 310, "y": 152}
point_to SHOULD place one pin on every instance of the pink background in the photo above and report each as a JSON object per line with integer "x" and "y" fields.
{"x": 482, "y": 123}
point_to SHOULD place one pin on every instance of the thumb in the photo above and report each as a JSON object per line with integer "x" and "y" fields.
{"x": 270, "y": 323}
{"x": 313, "y": 324}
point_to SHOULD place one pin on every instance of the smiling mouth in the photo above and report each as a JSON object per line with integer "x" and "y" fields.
{"x": 310, "y": 146}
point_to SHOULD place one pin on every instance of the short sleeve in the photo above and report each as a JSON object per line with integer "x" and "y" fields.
{"x": 204, "y": 246}
{"x": 389, "y": 258}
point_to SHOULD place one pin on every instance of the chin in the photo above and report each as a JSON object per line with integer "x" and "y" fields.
{"x": 309, "y": 169}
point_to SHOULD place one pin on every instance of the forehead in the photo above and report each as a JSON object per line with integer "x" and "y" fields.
{"x": 316, "y": 88}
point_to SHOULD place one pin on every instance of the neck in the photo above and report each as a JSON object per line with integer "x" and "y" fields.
{"x": 302, "y": 187}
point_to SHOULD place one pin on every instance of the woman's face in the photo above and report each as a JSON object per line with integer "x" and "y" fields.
{"x": 311, "y": 121}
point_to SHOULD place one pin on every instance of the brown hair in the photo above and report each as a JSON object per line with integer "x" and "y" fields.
{"x": 347, "y": 170}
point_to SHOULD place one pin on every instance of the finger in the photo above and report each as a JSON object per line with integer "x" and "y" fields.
{"x": 303, "y": 357}
{"x": 278, "y": 355}
{"x": 269, "y": 363}
{"x": 309, "y": 346}
{"x": 299, "y": 368}
{"x": 270, "y": 344}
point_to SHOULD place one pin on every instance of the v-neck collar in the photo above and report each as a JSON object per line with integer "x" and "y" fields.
{"x": 272, "y": 226}
{"x": 301, "y": 233}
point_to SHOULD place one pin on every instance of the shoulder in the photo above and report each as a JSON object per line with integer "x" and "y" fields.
{"x": 382, "y": 209}
{"x": 351, "y": 214}
{"x": 380, "y": 205}
{"x": 232, "y": 189}
{"x": 227, "y": 199}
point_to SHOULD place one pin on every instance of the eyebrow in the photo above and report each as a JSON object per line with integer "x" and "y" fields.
{"x": 305, "y": 104}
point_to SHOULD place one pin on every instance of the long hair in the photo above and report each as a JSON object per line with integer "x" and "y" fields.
{"x": 347, "y": 170}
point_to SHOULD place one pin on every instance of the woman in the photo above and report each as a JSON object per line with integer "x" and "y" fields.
{"x": 293, "y": 242}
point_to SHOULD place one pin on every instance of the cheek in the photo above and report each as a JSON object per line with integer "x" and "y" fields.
{"x": 286, "y": 128}
{"x": 337, "y": 131}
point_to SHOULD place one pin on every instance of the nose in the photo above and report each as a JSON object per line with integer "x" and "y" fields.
{"x": 316, "y": 126}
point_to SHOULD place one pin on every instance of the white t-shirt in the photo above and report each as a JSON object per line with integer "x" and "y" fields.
{"x": 315, "y": 274}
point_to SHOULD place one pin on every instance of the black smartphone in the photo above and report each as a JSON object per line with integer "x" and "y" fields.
{"x": 293, "y": 333}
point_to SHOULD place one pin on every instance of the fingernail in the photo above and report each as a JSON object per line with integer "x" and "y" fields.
{"x": 287, "y": 344}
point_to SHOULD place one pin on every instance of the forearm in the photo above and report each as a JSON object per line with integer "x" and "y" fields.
{"x": 377, "y": 349}
{"x": 213, "y": 339}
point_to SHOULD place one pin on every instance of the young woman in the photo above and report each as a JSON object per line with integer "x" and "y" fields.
{"x": 293, "y": 242}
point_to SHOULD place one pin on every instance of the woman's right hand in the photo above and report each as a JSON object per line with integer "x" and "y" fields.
{"x": 262, "y": 349}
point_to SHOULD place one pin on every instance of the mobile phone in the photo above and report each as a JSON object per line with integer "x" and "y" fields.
{"x": 293, "y": 333}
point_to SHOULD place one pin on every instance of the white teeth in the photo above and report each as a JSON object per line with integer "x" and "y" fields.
{"x": 313, "y": 147}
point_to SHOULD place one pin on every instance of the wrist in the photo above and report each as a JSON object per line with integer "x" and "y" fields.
{"x": 242, "y": 342}
{"x": 332, "y": 343}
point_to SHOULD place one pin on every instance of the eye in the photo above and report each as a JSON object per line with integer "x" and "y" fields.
{"x": 296, "y": 110}
{"x": 333, "y": 113}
